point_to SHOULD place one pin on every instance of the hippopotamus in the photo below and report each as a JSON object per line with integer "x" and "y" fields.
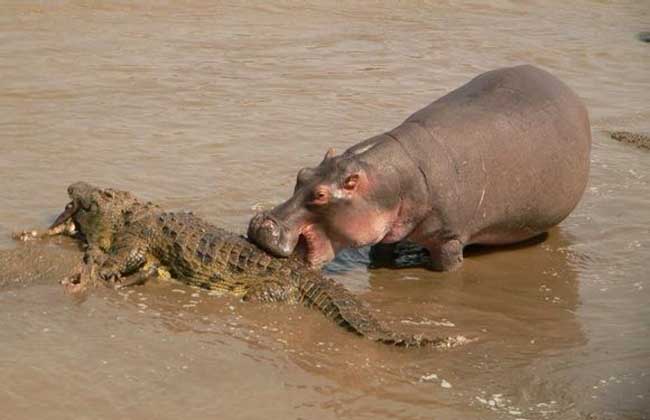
{"x": 499, "y": 160}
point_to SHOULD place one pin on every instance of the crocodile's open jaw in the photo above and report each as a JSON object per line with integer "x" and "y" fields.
{"x": 67, "y": 214}
{"x": 64, "y": 224}
{"x": 78, "y": 217}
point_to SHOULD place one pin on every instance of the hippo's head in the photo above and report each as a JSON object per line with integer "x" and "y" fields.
{"x": 339, "y": 204}
{"x": 94, "y": 213}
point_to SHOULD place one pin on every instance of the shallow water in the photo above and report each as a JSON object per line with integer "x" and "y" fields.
{"x": 213, "y": 107}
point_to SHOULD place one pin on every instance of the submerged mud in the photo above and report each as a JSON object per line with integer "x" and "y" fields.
{"x": 213, "y": 107}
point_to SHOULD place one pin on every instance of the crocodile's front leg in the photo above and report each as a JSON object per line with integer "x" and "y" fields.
{"x": 83, "y": 276}
{"x": 127, "y": 256}
{"x": 141, "y": 277}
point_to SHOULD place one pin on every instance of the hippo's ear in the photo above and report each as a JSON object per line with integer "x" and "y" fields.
{"x": 331, "y": 152}
{"x": 304, "y": 175}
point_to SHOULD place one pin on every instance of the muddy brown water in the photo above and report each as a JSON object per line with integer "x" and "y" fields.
{"x": 213, "y": 106}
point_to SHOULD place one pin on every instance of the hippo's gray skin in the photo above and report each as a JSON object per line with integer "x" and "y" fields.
{"x": 499, "y": 160}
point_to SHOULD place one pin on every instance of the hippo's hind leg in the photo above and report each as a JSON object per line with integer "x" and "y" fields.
{"x": 446, "y": 256}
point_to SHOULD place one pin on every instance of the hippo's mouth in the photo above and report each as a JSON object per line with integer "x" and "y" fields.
{"x": 306, "y": 241}
{"x": 314, "y": 246}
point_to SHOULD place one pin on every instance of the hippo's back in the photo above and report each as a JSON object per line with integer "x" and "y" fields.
{"x": 506, "y": 156}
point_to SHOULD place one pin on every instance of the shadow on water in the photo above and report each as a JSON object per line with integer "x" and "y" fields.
{"x": 408, "y": 255}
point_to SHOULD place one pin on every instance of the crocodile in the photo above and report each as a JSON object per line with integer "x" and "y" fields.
{"x": 129, "y": 241}
{"x": 640, "y": 140}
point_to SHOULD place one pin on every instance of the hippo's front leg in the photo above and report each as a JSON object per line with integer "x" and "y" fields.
{"x": 446, "y": 256}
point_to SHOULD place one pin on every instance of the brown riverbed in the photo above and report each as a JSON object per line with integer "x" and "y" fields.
{"x": 213, "y": 106}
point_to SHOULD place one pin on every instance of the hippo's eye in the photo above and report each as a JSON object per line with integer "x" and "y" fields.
{"x": 350, "y": 182}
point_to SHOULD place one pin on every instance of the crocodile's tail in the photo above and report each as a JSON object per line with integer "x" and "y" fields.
{"x": 342, "y": 307}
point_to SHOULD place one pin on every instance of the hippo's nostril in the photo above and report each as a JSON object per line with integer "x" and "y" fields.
{"x": 269, "y": 224}
{"x": 270, "y": 234}
{"x": 264, "y": 229}
{"x": 269, "y": 231}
